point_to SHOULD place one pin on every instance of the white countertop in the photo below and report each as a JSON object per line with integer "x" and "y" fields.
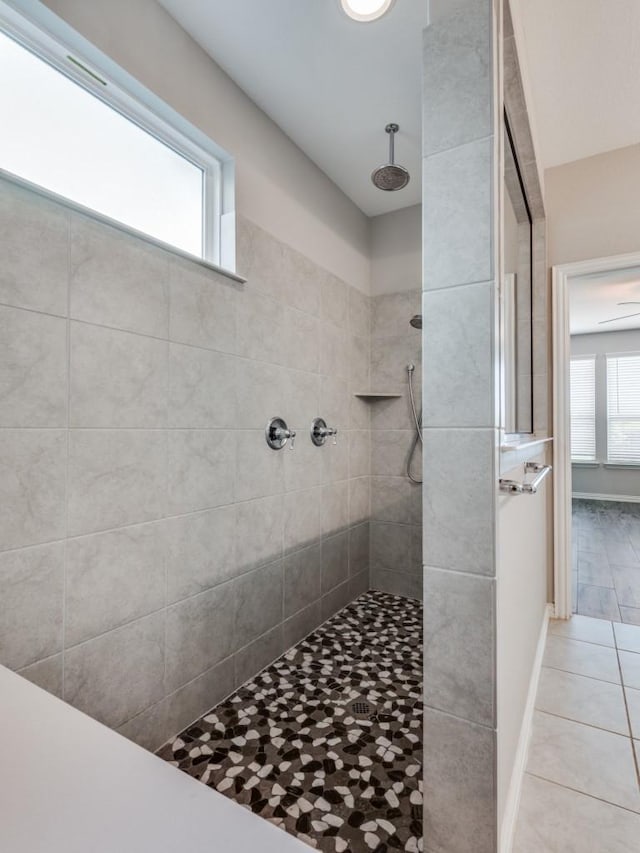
{"x": 70, "y": 785}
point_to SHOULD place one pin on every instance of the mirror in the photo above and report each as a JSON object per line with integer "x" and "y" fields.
{"x": 517, "y": 292}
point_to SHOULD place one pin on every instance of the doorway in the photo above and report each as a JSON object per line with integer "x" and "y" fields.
{"x": 596, "y": 366}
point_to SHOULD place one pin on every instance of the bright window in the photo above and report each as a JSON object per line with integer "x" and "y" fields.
{"x": 583, "y": 409}
{"x": 76, "y": 142}
{"x": 623, "y": 408}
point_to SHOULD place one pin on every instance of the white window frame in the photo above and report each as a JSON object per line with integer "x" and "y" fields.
{"x": 613, "y": 463}
{"x": 583, "y": 461}
{"x": 53, "y": 41}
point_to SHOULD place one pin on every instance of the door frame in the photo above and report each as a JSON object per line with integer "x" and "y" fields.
{"x": 561, "y": 354}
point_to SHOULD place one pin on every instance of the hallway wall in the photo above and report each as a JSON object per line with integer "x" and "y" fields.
{"x": 593, "y": 206}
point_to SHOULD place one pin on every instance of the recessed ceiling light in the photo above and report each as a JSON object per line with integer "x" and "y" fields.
{"x": 366, "y": 10}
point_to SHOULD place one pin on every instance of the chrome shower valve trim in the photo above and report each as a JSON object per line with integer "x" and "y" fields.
{"x": 277, "y": 434}
{"x": 320, "y": 432}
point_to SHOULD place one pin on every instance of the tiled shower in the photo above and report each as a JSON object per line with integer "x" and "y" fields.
{"x": 154, "y": 552}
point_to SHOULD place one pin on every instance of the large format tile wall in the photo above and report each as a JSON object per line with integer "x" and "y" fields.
{"x": 460, "y": 170}
{"x": 154, "y": 553}
{"x": 396, "y": 502}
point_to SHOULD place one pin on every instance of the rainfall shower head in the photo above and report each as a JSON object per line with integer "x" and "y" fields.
{"x": 390, "y": 177}
{"x": 416, "y": 321}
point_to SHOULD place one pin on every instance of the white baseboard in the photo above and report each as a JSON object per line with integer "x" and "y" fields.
{"x": 512, "y": 804}
{"x": 628, "y": 499}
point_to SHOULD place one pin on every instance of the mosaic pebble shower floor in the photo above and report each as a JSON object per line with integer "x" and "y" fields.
{"x": 327, "y": 741}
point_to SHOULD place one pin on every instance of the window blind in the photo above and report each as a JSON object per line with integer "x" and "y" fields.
{"x": 583, "y": 409}
{"x": 623, "y": 408}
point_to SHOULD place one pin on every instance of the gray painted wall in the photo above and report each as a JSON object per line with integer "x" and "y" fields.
{"x": 154, "y": 552}
{"x": 604, "y": 480}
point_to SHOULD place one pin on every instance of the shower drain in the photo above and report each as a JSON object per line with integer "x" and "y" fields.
{"x": 361, "y": 708}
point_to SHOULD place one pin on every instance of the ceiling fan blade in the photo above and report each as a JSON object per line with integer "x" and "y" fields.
{"x": 624, "y": 317}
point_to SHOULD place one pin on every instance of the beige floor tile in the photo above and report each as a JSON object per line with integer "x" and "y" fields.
{"x": 630, "y": 615}
{"x": 582, "y": 658}
{"x": 584, "y": 758}
{"x": 633, "y": 704}
{"x": 583, "y": 628}
{"x": 557, "y": 820}
{"x": 630, "y": 664}
{"x": 586, "y": 700}
{"x": 627, "y": 637}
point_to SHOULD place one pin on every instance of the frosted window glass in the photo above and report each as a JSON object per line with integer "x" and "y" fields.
{"x": 58, "y": 135}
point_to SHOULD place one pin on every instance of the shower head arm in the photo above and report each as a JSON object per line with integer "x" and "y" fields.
{"x": 392, "y": 129}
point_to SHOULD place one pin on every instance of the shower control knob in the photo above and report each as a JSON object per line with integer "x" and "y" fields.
{"x": 277, "y": 434}
{"x": 320, "y": 432}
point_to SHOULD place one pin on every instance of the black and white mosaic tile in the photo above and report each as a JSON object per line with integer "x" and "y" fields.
{"x": 327, "y": 741}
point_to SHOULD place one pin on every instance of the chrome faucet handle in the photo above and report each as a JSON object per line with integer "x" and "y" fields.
{"x": 320, "y": 432}
{"x": 277, "y": 434}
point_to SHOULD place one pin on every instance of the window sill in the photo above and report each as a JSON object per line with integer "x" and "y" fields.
{"x": 585, "y": 464}
{"x": 634, "y": 466}
{"x": 113, "y": 223}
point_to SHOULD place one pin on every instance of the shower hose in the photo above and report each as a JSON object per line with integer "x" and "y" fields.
{"x": 417, "y": 419}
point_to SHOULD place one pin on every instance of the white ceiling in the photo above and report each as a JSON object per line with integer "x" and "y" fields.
{"x": 330, "y": 83}
{"x": 582, "y": 61}
{"x": 593, "y": 298}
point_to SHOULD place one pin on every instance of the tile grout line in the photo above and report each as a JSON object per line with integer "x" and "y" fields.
{"x": 582, "y": 793}
{"x": 626, "y": 708}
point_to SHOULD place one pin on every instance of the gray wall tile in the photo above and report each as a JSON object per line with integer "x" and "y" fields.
{"x": 300, "y": 342}
{"x": 459, "y": 325}
{"x": 261, "y": 332}
{"x": 174, "y": 503}
{"x": 203, "y": 307}
{"x": 359, "y": 549}
{"x": 118, "y": 675}
{"x": 335, "y": 561}
{"x": 201, "y": 469}
{"x": 391, "y": 312}
{"x": 301, "y": 624}
{"x": 459, "y": 785}
{"x": 32, "y": 486}
{"x": 334, "y": 301}
{"x": 33, "y": 381}
{"x": 260, "y": 393}
{"x": 34, "y": 271}
{"x": 186, "y": 704}
{"x": 459, "y": 642}
{"x": 458, "y": 92}
{"x": 260, "y": 470}
{"x": 360, "y": 306}
{"x": 202, "y": 388}
{"x": 335, "y": 600}
{"x": 118, "y": 379}
{"x": 31, "y": 591}
{"x": 395, "y": 499}
{"x": 200, "y": 551}
{"x": 302, "y": 579}
{"x": 46, "y": 673}
{"x": 117, "y": 280}
{"x": 258, "y": 532}
{"x": 200, "y": 633}
{"x": 258, "y": 654}
{"x": 397, "y": 583}
{"x": 335, "y": 508}
{"x": 259, "y": 603}
{"x": 111, "y": 579}
{"x": 458, "y": 219}
{"x": 302, "y": 521}
{"x": 396, "y": 547}
{"x": 116, "y": 477}
{"x": 459, "y": 498}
